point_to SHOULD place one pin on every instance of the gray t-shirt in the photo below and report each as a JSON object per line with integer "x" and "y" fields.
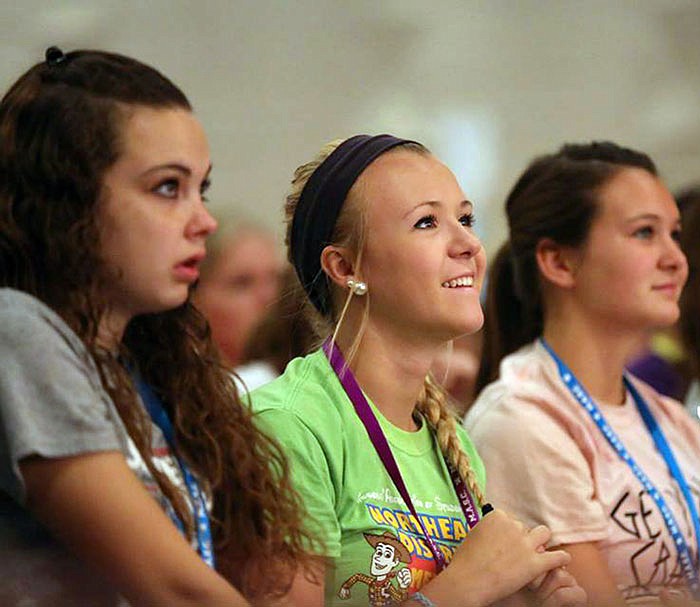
{"x": 52, "y": 404}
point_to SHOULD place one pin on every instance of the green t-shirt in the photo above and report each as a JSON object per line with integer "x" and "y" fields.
{"x": 355, "y": 507}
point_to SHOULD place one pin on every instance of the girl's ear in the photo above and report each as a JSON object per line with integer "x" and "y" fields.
{"x": 337, "y": 263}
{"x": 557, "y": 263}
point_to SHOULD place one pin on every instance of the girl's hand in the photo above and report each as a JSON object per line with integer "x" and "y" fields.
{"x": 672, "y": 597}
{"x": 560, "y": 589}
{"x": 509, "y": 554}
{"x": 498, "y": 558}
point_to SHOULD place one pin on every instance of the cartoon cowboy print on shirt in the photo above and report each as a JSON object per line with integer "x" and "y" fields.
{"x": 388, "y": 553}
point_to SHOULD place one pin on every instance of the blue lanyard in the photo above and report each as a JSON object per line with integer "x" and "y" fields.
{"x": 690, "y": 570}
{"x": 160, "y": 418}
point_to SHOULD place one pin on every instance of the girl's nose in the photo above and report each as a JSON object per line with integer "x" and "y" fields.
{"x": 465, "y": 242}
{"x": 203, "y": 222}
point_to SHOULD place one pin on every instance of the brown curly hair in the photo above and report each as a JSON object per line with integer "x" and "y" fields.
{"x": 59, "y": 132}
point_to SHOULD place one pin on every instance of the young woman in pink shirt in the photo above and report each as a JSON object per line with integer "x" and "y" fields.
{"x": 592, "y": 266}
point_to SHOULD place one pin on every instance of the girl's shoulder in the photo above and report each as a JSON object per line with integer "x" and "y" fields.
{"x": 668, "y": 411}
{"x": 27, "y": 324}
{"x": 22, "y": 314}
{"x": 528, "y": 399}
{"x": 52, "y": 402}
{"x": 13, "y": 300}
{"x": 308, "y": 388}
{"x": 527, "y": 378}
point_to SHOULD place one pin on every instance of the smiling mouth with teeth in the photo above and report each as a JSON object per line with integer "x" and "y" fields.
{"x": 462, "y": 281}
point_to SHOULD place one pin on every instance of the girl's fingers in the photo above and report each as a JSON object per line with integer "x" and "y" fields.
{"x": 571, "y": 596}
{"x": 556, "y": 558}
{"x": 539, "y": 536}
{"x": 556, "y": 578}
{"x": 559, "y": 589}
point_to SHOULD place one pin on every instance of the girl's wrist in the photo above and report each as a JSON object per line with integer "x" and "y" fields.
{"x": 443, "y": 591}
{"x": 420, "y": 599}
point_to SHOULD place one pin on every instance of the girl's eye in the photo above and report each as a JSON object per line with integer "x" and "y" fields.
{"x": 206, "y": 184}
{"x": 644, "y": 233}
{"x": 168, "y": 188}
{"x": 467, "y": 220}
{"x": 676, "y": 235}
{"x": 429, "y": 221}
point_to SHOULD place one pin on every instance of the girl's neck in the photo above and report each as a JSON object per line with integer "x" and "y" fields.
{"x": 390, "y": 370}
{"x": 596, "y": 353}
{"x": 111, "y": 331}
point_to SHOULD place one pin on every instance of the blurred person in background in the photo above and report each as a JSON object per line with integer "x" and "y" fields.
{"x": 240, "y": 279}
{"x": 282, "y": 334}
{"x": 689, "y": 325}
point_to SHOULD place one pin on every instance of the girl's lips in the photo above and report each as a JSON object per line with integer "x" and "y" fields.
{"x": 670, "y": 288}
{"x": 188, "y": 270}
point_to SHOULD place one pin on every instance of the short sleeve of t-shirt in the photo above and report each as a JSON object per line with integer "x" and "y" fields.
{"x": 536, "y": 470}
{"x": 311, "y": 475}
{"x": 52, "y": 402}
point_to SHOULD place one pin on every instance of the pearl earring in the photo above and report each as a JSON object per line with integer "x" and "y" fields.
{"x": 357, "y": 287}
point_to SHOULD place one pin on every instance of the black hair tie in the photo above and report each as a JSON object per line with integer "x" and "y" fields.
{"x": 54, "y": 56}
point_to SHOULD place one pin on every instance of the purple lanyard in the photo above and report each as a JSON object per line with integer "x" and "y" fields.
{"x": 374, "y": 430}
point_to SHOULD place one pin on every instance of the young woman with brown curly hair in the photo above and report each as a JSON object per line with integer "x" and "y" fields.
{"x": 120, "y": 430}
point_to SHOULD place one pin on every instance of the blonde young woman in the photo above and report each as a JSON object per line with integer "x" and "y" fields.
{"x": 381, "y": 237}
{"x": 592, "y": 266}
{"x": 240, "y": 279}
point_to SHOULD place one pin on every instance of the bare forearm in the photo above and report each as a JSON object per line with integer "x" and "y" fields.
{"x": 591, "y": 570}
{"x": 444, "y": 590}
{"x": 96, "y": 506}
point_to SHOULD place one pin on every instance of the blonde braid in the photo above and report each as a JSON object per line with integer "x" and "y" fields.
{"x": 432, "y": 403}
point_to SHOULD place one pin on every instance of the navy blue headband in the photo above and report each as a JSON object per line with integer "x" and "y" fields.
{"x": 319, "y": 206}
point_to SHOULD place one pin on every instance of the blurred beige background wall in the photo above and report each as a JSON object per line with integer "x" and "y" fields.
{"x": 485, "y": 84}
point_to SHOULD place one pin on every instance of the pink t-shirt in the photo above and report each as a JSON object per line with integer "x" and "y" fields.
{"x": 548, "y": 463}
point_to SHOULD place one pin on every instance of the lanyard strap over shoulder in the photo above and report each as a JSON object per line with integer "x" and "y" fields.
{"x": 690, "y": 569}
{"x": 160, "y": 418}
{"x": 381, "y": 446}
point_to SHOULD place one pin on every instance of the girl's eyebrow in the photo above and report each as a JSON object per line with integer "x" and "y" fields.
{"x": 437, "y": 203}
{"x": 650, "y": 217}
{"x": 174, "y": 166}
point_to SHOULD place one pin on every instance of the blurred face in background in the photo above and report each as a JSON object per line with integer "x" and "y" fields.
{"x": 239, "y": 283}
